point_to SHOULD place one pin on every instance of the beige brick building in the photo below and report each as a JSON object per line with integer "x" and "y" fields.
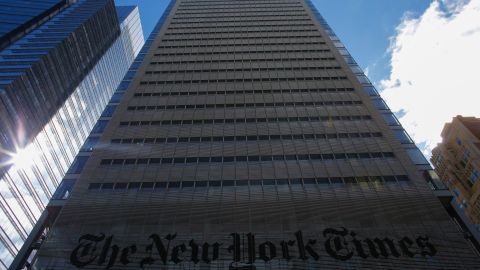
{"x": 248, "y": 138}
{"x": 457, "y": 162}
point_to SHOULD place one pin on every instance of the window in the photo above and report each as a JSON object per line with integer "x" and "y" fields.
{"x": 466, "y": 157}
{"x": 107, "y": 186}
{"x": 78, "y": 164}
{"x": 459, "y": 142}
{"x": 100, "y": 126}
{"x": 416, "y": 156}
{"x": 64, "y": 189}
{"x": 147, "y": 185}
{"x": 94, "y": 186}
{"x": 109, "y": 110}
{"x": 174, "y": 185}
{"x": 121, "y": 186}
{"x": 402, "y": 136}
{"x": 89, "y": 144}
{"x": 134, "y": 185}
{"x": 380, "y": 104}
{"x": 474, "y": 176}
{"x": 390, "y": 119}
{"x": 363, "y": 79}
{"x": 432, "y": 178}
{"x": 371, "y": 90}
{"x": 116, "y": 98}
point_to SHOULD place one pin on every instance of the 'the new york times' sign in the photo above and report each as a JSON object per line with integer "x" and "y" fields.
{"x": 244, "y": 250}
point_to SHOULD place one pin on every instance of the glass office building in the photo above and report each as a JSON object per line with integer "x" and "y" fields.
{"x": 248, "y": 138}
{"x": 18, "y": 17}
{"x": 83, "y": 87}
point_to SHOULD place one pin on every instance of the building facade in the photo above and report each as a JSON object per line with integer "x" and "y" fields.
{"x": 43, "y": 68}
{"x": 248, "y": 138}
{"x": 17, "y": 18}
{"x": 457, "y": 162}
{"x": 31, "y": 176}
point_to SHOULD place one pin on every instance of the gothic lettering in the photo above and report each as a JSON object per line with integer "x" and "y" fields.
{"x": 262, "y": 250}
{"x": 162, "y": 251}
{"x": 405, "y": 244}
{"x": 205, "y": 251}
{"x": 340, "y": 244}
{"x": 285, "y": 251}
{"x": 337, "y": 245}
{"x": 251, "y": 248}
{"x": 426, "y": 248}
{"x": 84, "y": 253}
{"x": 125, "y": 252}
{"x": 176, "y": 253}
{"x": 235, "y": 247}
{"x": 379, "y": 247}
{"x": 358, "y": 246}
{"x": 194, "y": 248}
{"x": 302, "y": 248}
{"x": 107, "y": 247}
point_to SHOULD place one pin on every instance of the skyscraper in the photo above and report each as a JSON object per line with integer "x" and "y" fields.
{"x": 17, "y": 18}
{"x": 55, "y": 83}
{"x": 248, "y": 138}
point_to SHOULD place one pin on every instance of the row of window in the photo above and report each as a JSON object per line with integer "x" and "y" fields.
{"x": 240, "y": 52}
{"x": 241, "y": 10}
{"x": 238, "y": 5}
{"x": 283, "y": 14}
{"x": 223, "y": 2}
{"x": 238, "y": 26}
{"x": 174, "y": 185}
{"x": 259, "y": 21}
{"x": 241, "y": 44}
{"x": 242, "y": 70}
{"x": 235, "y": 3}
{"x": 234, "y": 92}
{"x": 243, "y": 37}
{"x": 246, "y": 138}
{"x": 243, "y": 80}
{"x": 204, "y": 61}
{"x": 244, "y": 105}
{"x": 227, "y": 159}
{"x": 231, "y": 31}
{"x": 246, "y": 120}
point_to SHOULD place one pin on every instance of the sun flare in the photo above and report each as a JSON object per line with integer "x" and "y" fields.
{"x": 24, "y": 158}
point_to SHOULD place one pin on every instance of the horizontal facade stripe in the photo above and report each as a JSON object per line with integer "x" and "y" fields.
{"x": 246, "y": 120}
{"x": 165, "y": 185}
{"x": 226, "y": 159}
{"x": 246, "y": 138}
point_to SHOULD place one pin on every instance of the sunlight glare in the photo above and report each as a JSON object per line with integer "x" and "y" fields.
{"x": 24, "y": 158}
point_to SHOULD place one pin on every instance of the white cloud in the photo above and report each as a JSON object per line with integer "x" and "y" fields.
{"x": 435, "y": 73}
{"x": 367, "y": 71}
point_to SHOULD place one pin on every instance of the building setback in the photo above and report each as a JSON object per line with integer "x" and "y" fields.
{"x": 248, "y": 138}
{"x": 28, "y": 67}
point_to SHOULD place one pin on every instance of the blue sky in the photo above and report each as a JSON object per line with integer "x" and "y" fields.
{"x": 406, "y": 48}
{"x": 365, "y": 26}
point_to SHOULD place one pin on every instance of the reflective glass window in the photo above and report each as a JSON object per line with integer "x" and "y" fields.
{"x": 380, "y": 104}
{"x": 390, "y": 119}
{"x": 89, "y": 144}
{"x": 109, "y": 110}
{"x": 416, "y": 156}
{"x": 78, "y": 164}
{"x": 402, "y": 136}
{"x": 100, "y": 126}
